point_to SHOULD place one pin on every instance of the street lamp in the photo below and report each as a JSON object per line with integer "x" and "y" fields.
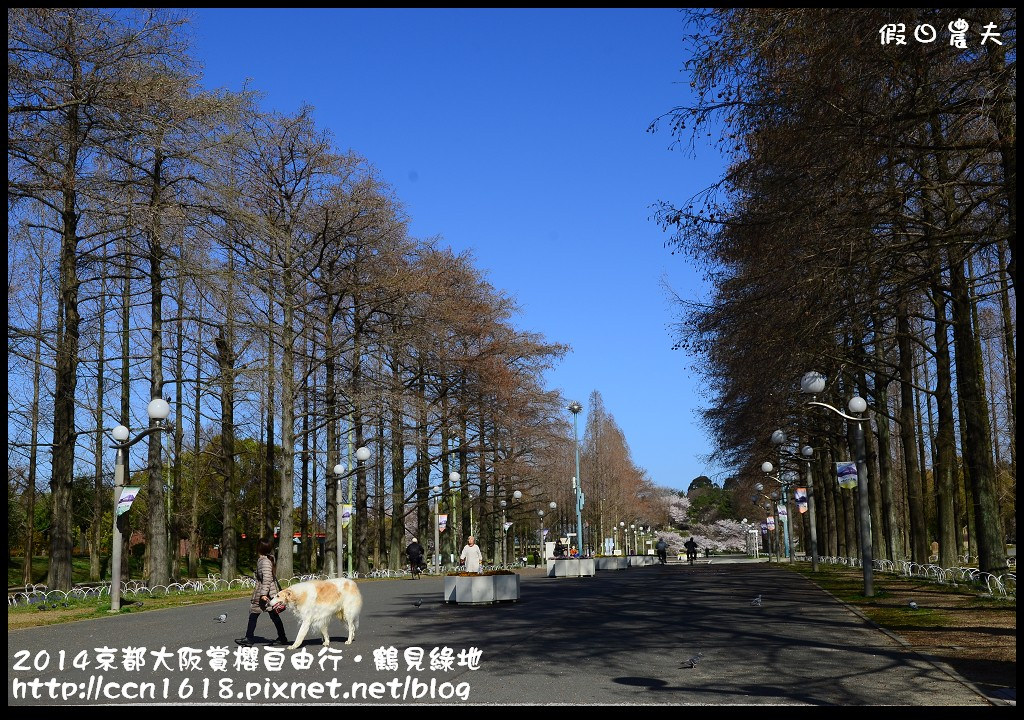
{"x": 813, "y": 383}
{"x": 158, "y": 410}
{"x": 552, "y": 506}
{"x": 772, "y": 510}
{"x": 633, "y": 528}
{"x": 361, "y": 455}
{"x": 454, "y": 479}
{"x": 750, "y": 532}
{"x": 540, "y": 533}
{"x": 339, "y": 472}
{"x": 437, "y": 528}
{"x": 808, "y": 452}
{"x": 516, "y": 495}
{"x": 577, "y": 483}
{"x": 783, "y": 508}
{"x": 779, "y": 439}
{"x": 625, "y": 545}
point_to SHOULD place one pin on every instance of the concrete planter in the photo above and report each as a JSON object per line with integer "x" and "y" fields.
{"x": 611, "y": 563}
{"x": 481, "y": 589}
{"x": 571, "y": 567}
{"x": 641, "y": 560}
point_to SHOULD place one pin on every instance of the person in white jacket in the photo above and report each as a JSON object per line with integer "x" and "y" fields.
{"x": 472, "y": 556}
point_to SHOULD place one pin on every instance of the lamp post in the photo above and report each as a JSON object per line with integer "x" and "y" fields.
{"x": 808, "y": 452}
{"x": 770, "y": 508}
{"x": 625, "y": 548}
{"x": 437, "y": 528}
{"x": 551, "y": 506}
{"x": 783, "y": 506}
{"x": 516, "y": 495}
{"x": 752, "y": 541}
{"x": 339, "y": 471}
{"x": 813, "y": 383}
{"x": 454, "y": 479}
{"x": 577, "y": 486}
{"x": 361, "y": 455}
{"x": 779, "y": 439}
{"x": 158, "y": 410}
{"x": 633, "y": 528}
{"x": 540, "y": 533}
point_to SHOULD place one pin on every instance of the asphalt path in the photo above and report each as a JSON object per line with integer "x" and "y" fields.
{"x": 622, "y": 637}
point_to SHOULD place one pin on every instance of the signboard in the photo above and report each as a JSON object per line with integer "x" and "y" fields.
{"x": 442, "y": 522}
{"x": 771, "y": 523}
{"x": 846, "y": 473}
{"x": 346, "y": 514}
{"x": 800, "y": 495}
{"x": 764, "y": 528}
{"x": 783, "y": 513}
{"x": 128, "y": 495}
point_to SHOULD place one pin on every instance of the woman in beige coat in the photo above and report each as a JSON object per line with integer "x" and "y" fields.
{"x": 266, "y": 587}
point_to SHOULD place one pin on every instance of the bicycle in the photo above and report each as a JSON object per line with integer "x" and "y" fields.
{"x": 416, "y": 567}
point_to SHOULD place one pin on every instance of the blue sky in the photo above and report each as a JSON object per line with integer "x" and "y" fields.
{"x": 518, "y": 134}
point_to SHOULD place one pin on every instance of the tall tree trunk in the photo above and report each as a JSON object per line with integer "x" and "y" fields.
{"x": 874, "y": 482}
{"x": 96, "y": 526}
{"x": 397, "y": 462}
{"x": 179, "y": 427}
{"x": 286, "y": 489}
{"x": 918, "y": 530}
{"x": 226, "y": 360}
{"x": 976, "y": 431}
{"x": 423, "y": 525}
{"x": 945, "y": 469}
{"x": 332, "y": 554}
{"x": 156, "y": 530}
{"x": 197, "y": 410}
{"x": 66, "y": 368}
{"x": 1009, "y": 359}
{"x": 304, "y": 502}
{"x": 1004, "y": 120}
{"x": 270, "y": 474}
{"x": 124, "y": 522}
{"x": 360, "y": 511}
{"x": 888, "y": 517}
{"x": 33, "y": 453}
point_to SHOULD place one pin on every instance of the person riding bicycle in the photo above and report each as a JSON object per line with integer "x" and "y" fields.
{"x": 662, "y": 548}
{"x": 415, "y": 554}
{"x": 691, "y": 550}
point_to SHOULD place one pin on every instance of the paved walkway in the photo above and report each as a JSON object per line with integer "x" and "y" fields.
{"x": 621, "y": 637}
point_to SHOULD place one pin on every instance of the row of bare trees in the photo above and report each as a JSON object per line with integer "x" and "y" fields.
{"x": 865, "y": 228}
{"x": 170, "y": 241}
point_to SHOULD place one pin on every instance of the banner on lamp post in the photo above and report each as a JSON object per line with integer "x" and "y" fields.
{"x": 507, "y": 526}
{"x": 346, "y": 514}
{"x": 771, "y": 523}
{"x": 800, "y": 495}
{"x": 128, "y": 495}
{"x": 442, "y": 522}
{"x": 846, "y": 473}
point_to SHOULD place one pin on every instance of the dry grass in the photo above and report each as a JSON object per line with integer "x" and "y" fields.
{"x": 974, "y": 634}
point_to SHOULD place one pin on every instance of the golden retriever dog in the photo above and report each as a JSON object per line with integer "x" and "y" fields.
{"x": 315, "y": 601}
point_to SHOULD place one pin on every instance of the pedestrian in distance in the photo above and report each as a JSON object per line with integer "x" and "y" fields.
{"x": 266, "y": 588}
{"x": 472, "y": 556}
